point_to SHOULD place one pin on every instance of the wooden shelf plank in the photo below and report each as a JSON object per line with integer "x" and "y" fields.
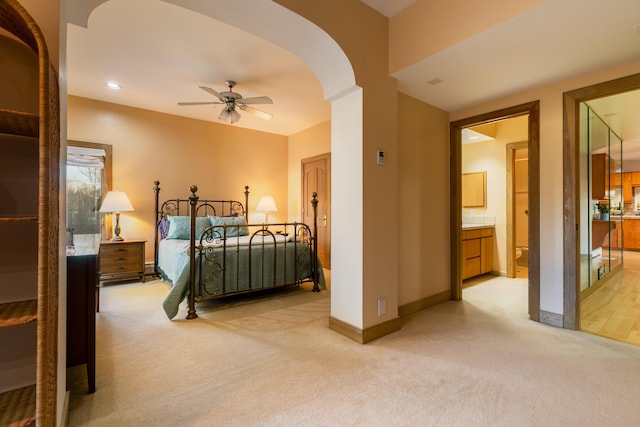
{"x": 18, "y": 218}
{"x": 18, "y": 123}
{"x": 18, "y": 407}
{"x": 18, "y": 313}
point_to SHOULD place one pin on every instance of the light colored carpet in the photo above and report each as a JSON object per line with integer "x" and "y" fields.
{"x": 272, "y": 361}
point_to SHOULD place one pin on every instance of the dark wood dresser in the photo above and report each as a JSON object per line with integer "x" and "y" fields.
{"x": 82, "y": 282}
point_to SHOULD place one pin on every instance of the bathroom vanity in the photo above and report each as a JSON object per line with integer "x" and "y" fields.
{"x": 477, "y": 250}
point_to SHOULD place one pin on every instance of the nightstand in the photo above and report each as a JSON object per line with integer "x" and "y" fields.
{"x": 120, "y": 261}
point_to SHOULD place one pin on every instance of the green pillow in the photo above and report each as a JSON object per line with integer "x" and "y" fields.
{"x": 241, "y": 230}
{"x": 180, "y": 227}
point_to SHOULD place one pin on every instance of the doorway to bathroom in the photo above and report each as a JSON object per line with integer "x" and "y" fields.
{"x": 496, "y": 190}
{"x": 495, "y": 201}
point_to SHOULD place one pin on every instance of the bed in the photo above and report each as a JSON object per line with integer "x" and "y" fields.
{"x": 207, "y": 250}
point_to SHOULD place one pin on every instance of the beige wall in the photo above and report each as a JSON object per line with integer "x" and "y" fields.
{"x": 423, "y": 200}
{"x": 427, "y": 27}
{"x": 308, "y": 143}
{"x": 366, "y": 46}
{"x": 177, "y": 151}
{"x": 551, "y": 143}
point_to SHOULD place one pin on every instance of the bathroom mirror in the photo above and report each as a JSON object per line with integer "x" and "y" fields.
{"x": 474, "y": 190}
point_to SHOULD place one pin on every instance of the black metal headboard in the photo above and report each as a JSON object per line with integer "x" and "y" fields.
{"x": 204, "y": 207}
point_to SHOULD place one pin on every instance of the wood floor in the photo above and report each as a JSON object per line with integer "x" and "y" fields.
{"x": 613, "y": 310}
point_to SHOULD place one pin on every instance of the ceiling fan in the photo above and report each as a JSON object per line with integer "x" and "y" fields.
{"x": 231, "y": 100}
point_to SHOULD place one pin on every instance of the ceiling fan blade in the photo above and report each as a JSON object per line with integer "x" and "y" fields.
{"x": 259, "y": 113}
{"x": 213, "y": 92}
{"x": 257, "y": 100}
{"x": 198, "y": 103}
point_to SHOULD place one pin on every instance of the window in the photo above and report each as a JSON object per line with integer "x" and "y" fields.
{"x": 88, "y": 179}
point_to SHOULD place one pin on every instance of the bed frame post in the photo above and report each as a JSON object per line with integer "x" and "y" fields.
{"x": 314, "y": 204}
{"x": 193, "y": 200}
{"x": 246, "y": 203}
{"x": 156, "y": 189}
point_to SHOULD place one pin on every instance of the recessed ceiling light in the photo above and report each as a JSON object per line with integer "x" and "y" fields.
{"x": 470, "y": 136}
{"x": 113, "y": 85}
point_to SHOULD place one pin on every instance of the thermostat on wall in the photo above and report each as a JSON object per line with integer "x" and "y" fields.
{"x": 380, "y": 157}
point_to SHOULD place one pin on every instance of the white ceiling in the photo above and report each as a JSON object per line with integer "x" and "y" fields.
{"x": 165, "y": 60}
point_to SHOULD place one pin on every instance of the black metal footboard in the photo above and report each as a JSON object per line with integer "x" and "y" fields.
{"x": 280, "y": 255}
{"x": 237, "y": 258}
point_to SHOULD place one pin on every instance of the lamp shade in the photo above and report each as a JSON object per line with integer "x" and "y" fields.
{"x": 230, "y": 115}
{"x": 116, "y": 201}
{"x": 266, "y": 204}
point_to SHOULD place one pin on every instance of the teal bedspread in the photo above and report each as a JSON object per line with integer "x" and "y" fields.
{"x": 245, "y": 265}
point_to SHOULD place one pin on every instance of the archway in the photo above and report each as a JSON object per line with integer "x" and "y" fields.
{"x": 336, "y": 76}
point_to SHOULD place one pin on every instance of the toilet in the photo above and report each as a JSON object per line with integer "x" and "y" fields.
{"x": 522, "y": 256}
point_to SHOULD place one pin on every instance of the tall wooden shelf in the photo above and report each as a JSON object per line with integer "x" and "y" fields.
{"x": 29, "y": 224}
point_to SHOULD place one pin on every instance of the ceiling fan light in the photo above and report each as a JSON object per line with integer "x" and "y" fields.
{"x": 224, "y": 115}
{"x": 234, "y": 116}
{"x": 230, "y": 115}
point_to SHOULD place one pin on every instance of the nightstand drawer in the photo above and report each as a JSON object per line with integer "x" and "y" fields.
{"x": 121, "y": 260}
{"x": 120, "y": 265}
{"x": 116, "y": 250}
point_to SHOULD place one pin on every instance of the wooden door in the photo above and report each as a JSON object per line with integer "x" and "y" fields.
{"x": 316, "y": 177}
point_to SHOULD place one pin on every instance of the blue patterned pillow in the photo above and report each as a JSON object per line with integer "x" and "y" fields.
{"x": 180, "y": 227}
{"x": 241, "y": 230}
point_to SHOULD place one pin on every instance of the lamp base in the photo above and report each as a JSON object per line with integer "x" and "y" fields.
{"x": 116, "y": 230}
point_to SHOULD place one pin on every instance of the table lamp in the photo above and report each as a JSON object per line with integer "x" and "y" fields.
{"x": 266, "y": 205}
{"x": 116, "y": 202}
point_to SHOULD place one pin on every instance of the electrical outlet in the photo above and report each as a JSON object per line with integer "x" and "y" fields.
{"x": 382, "y": 306}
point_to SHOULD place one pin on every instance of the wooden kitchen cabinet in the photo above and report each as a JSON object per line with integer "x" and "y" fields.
{"x": 477, "y": 252}
{"x": 614, "y": 238}
{"x": 616, "y": 180}
{"x": 625, "y": 181}
{"x": 602, "y": 173}
{"x": 635, "y": 179}
{"x": 631, "y": 230}
{"x": 627, "y": 187}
